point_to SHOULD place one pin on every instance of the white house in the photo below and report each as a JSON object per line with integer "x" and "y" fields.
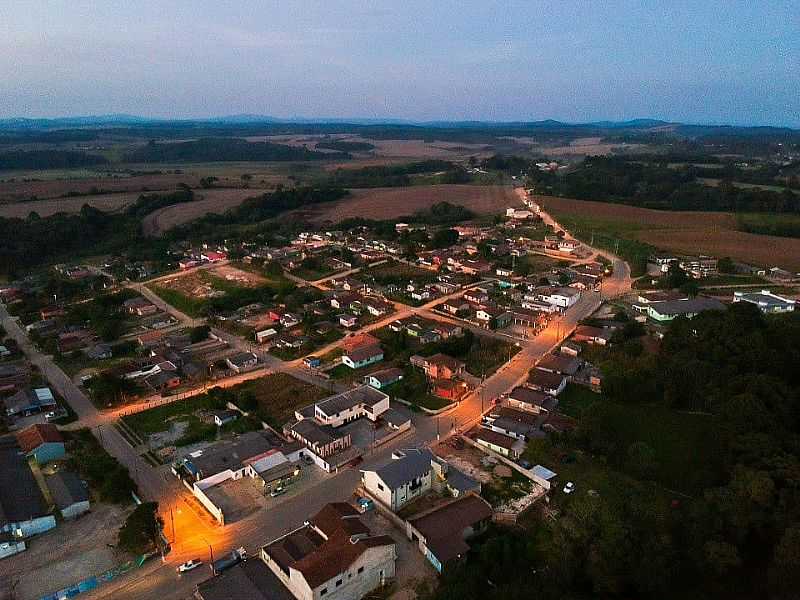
{"x": 562, "y": 297}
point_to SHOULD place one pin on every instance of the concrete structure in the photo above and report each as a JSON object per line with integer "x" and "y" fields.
{"x": 413, "y": 473}
{"x": 332, "y": 557}
{"x": 766, "y": 301}
{"x": 562, "y": 297}
{"x": 441, "y": 533}
{"x": 43, "y": 442}
{"x": 336, "y": 410}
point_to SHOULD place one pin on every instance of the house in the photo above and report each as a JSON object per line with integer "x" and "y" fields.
{"x": 69, "y": 493}
{"x": 378, "y": 308}
{"x": 242, "y": 361}
{"x": 363, "y": 356}
{"x": 455, "y": 306}
{"x": 223, "y": 417}
{"x": 570, "y": 349}
{"x": 289, "y": 320}
{"x": 564, "y": 365}
{"x": 412, "y": 473}
{"x": 12, "y": 375}
{"x": 476, "y": 296}
{"x": 358, "y": 340}
{"x": 42, "y": 442}
{"x": 547, "y": 382}
{"x": 312, "y": 362}
{"x": 29, "y": 402}
{"x": 442, "y": 366}
{"x": 140, "y": 306}
{"x": 333, "y": 556}
{"x": 251, "y": 579}
{"x": 429, "y": 337}
{"x": 497, "y": 442}
{"x": 562, "y": 297}
{"x": 345, "y": 407}
{"x": 23, "y": 510}
{"x": 348, "y": 321}
{"x": 163, "y": 381}
{"x": 594, "y": 335}
{"x": 448, "y": 330}
{"x": 766, "y": 301}
{"x": 211, "y": 256}
{"x": 384, "y": 378}
{"x": 441, "y": 533}
{"x": 527, "y": 399}
{"x": 518, "y": 424}
{"x": 669, "y": 310}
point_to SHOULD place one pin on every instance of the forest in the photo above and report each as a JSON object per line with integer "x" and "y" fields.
{"x": 224, "y": 150}
{"x": 656, "y": 185}
{"x": 48, "y": 159}
{"x": 734, "y": 530}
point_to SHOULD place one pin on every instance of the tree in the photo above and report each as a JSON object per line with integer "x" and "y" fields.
{"x": 199, "y": 333}
{"x": 140, "y": 532}
{"x": 444, "y": 238}
{"x": 725, "y": 265}
{"x": 676, "y": 276}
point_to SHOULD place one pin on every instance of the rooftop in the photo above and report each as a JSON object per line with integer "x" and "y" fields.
{"x": 363, "y": 394}
{"x": 682, "y": 307}
{"x": 414, "y": 463}
{"x": 34, "y": 436}
{"x": 251, "y": 579}
{"x": 67, "y": 489}
{"x": 233, "y": 454}
{"x": 20, "y": 496}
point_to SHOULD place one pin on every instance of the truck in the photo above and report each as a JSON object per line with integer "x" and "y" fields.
{"x": 233, "y": 558}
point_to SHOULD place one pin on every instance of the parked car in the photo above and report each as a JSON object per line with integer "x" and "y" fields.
{"x": 277, "y": 491}
{"x": 189, "y": 565}
{"x": 524, "y": 464}
{"x": 569, "y": 488}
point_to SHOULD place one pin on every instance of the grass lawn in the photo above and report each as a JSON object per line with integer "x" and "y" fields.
{"x": 783, "y": 225}
{"x": 399, "y": 273}
{"x": 504, "y": 489}
{"x": 190, "y": 306}
{"x": 158, "y": 419}
{"x": 575, "y": 398}
{"x": 278, "y": 395}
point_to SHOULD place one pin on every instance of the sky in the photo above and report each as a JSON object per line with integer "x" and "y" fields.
{"x": 697, "y": 61}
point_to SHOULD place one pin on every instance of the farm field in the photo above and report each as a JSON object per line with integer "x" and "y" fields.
{"x": 388, "y": 203}
{"x": 208, "y": 201}
{"x": 17, "y": 189}
{"x": 677, "y": 231}
{"x": 45, "y": 208}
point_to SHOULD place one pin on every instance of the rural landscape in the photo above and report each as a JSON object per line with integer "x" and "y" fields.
{"x": 446, "y": 350}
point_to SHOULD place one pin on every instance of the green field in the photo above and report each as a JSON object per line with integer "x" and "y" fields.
{"x": 781, "y": 225}
{"x": 575, "y": 398}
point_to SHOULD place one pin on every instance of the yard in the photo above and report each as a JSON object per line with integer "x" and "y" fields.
{"x": 575, "y": 399}
{"x": 399, "y": 274}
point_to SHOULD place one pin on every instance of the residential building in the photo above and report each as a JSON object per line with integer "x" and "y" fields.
{"x": 562, "y": 297}
{"x": 594, "y": 335}
{"x": 223, "y": 417}
{"x": 384, "y": 378}
{"x": 518, "y": 424}
{"x": 242, "y": 361}
{"x": 42, "y": 442}
{"x": 442, "y": 366}
{"x": 29, "y": 402}
{"x": 69, "y": 493}
{"x": 249, "y": 580}
{"x": 547, "y": 382}
{"x": 332, "y": 557}
{"x": 23, "y": 510}
{"x": 528, "y": 399}
{"x": 413, "y": 473}
{"x": 669, "y": 310}
{"x": 766, "y": 301}
{"x": 497, "y": 442}
{"x": 442, "y": 532}
{"x": 345, "y": 407}
{"x": 363, "y": 356}
{"x": 564, "y": 365}
{"x": 450, "y": 389}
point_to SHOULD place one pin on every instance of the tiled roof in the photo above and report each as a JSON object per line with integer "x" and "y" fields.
{"x": 34, "y": 436}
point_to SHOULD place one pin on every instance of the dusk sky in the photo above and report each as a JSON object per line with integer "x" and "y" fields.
{"x": 697, "y": 61}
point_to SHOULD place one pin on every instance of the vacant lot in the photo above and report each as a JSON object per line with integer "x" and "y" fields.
{"x": 277, "y": 396}
{"x": 207, "y": 201}
{"x": 678, "y": 231}
{"x": 238, "y": 277}
{"x": 388, "y": 203}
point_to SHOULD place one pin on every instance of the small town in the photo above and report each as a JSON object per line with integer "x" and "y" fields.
{"x": 399, "y": 301}
{"x": 351, "y": 435}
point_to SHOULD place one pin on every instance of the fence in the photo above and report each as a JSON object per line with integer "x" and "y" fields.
{"x": 92, "y": 583}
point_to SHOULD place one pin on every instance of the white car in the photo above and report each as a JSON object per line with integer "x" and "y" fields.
{"x": 569, "y": 488}
{"x": 189, "y": 565}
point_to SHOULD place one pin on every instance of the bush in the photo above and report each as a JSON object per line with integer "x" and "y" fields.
{"x": 140, "y": 532}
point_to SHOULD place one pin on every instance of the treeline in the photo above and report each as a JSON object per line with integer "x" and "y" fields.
{"x": 738, "y": 536}
{"x": 219, "y": 149}
{"x": 655, "y": 185}
{"x": 397, "y": 175}
{"x": 345, "y": 146}
{"x": 147, "y": 203}
{"x": 442, "y": 214}
{"x": 48, "y": 137}
{"x": 49, "y": 159}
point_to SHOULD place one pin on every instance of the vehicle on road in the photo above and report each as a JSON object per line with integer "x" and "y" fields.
{"x": 231, "y": 559}
{"x": 189, "y": 565}
{"x": 569, "y": 488}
